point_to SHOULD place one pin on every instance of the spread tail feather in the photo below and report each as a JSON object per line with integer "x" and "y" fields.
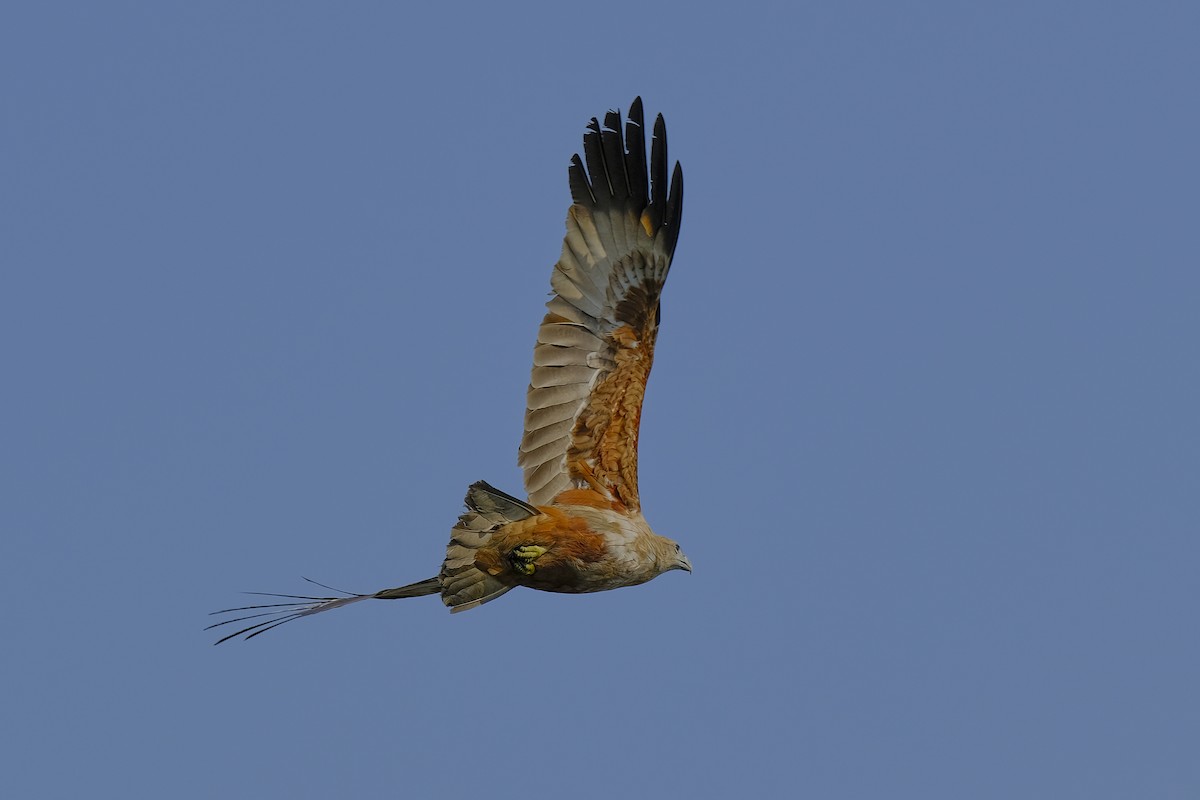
{"x": 465, "y": 585}
{"x": 303, "y": 606}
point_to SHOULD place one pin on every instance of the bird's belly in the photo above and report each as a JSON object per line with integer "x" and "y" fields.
{"x": 582, "y": 581}
{"x": 620, "y": 566}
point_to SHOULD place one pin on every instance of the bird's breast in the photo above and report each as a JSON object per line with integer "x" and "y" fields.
{"x": 627, "y": 556}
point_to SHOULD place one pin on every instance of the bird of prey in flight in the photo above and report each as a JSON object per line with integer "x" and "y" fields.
{"x": 581, "y": 530}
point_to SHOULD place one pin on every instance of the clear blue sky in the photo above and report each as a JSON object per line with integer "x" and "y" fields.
{"x": 924, "y": 414}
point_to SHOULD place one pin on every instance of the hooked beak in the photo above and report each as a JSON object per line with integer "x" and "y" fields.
{"x": 684, "y": 563}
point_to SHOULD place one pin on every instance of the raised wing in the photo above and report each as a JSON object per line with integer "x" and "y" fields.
{"x": 596, "y": 344}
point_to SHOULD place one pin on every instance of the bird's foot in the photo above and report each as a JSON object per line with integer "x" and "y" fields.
{"x": 523, "y": 557}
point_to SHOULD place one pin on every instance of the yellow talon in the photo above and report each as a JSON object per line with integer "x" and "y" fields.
{"x": 524, "y": 556}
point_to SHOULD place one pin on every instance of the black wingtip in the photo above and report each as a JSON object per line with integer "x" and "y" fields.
{"x": 673, "y": 217}
{"x": 635, "y": 156}
{"x": 614, "y": 169}
{"x": 658, "y": 165}
{"x": 581, "y": 190}
{"x": 593, "y": 154}
{"x": 613, "y": 143}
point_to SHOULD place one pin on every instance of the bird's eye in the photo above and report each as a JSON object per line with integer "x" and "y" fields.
{"x": 678, "y": 548}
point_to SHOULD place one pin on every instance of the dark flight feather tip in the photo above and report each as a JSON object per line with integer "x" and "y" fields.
{"x": 593, "y": 154}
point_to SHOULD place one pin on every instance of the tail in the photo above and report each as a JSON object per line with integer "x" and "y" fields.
{"x": 303, "y": 606}
{"x": 465, "y": 585}
{"x": 461, "y": 583}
